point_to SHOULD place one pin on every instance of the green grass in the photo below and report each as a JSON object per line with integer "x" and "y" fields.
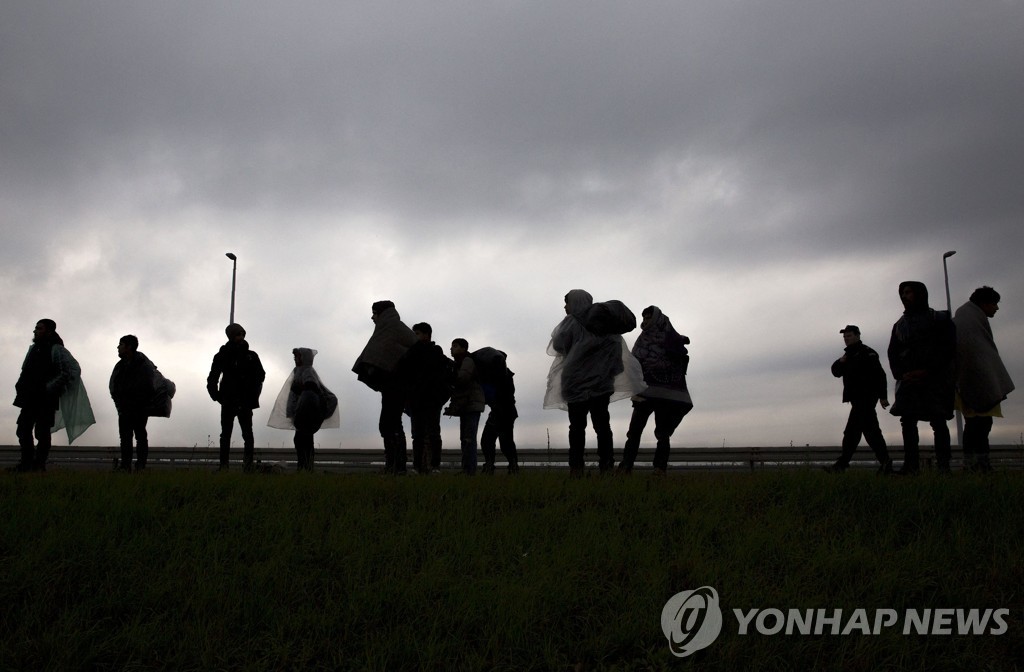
{"x": 200, "y": 571}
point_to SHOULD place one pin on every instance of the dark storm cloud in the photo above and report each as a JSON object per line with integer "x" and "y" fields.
{"x": 759, "y": 169}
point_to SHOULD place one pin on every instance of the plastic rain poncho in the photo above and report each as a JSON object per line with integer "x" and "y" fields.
{"x": 304, "y": 399}
{"x": 587, "y": 365}
{"x": 74, "y": 414}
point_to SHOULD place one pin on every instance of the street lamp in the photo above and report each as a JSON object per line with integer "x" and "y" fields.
{"x": 949, "y": 307}
{"x": 234, "y": 271}
{"x": 945, "y": 273}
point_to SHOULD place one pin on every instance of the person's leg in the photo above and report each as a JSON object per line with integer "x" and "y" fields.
{"x": 911, "y": 439}
{"x": 851, "y": 438}
{"x": 417, "y": 423}
{"x": 506, "y": 438}
{"x": 667, "y": 416}
{"x": 602, "y": 421}
{"x": 227, "y": 423}
{"x": 141, "y": 440}
{"x": 26, "y": 427}
{"x": 976, "y": 432}
{"x": 943, "y": 451}
{"x": 249, "y": 441}
{"x": 488, "y": 442}
{"x": 468, "y": 425}
{"x": 577, "y": 436}
{"x": 637, "y": 423}
{"x": 874, "y": 438}
{"x": 44, "y": 423}
{"x": 392, "y": 405}
{"x": 434, "y": 437}
{"x": 125, "y": 431}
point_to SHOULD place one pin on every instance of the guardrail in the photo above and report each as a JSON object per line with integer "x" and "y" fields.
{"x": 367, "y": 460}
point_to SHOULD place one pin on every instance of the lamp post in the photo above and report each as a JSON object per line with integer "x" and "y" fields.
{"x": 234, "y": 273}
{"x": 945, "y": 274}
{"x": 949, "y": 307}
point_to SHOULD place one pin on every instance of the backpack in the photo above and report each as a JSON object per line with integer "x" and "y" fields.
{"x": 609, "y": 317}
{"x": 491, "y": 371}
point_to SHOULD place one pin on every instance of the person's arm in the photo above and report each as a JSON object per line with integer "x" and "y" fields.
{"x": 214, "y": 378}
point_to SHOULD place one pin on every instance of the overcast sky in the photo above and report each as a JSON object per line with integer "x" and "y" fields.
{"x": 765, "y": 172}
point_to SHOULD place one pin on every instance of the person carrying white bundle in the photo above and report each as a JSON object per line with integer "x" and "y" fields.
{"x": 305, "y": 405}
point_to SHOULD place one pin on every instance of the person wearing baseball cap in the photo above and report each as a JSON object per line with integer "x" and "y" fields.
{"x": 864, "y": 385}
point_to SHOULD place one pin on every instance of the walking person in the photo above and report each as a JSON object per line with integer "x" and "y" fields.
{"x": 305, "y": 405}
{"x": 132, "y": 387}
{"x": 236, "y": 382}
{"x": 590, "y": 354}
{"x": 864, "y": 386}
{"x": 51, "y": 396}
{"x": 663, "y": 356}
{"x": 467, "y": 403}
{"x": 982, "y": 381}
{"x": 922, "y": 351}
{"x": 376, "y": 367}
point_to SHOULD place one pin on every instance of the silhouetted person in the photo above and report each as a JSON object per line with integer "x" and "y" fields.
{"x": 132, "y": 387}
{"x": 425, "y": 372}
{"x": 467, "y": 403}
{"x": 376, "y": 367}
{"x": 982, "y": 380}
{"x": 240, "y": 375}
{"x": 499, "y": 388}
{"x": 582, "y": 379}
{"x": 864, "y": 386}
{"x": 921, "y": 353}
{"x": 305, "y": 405}
{"x": 664, "y": 359}
{"x": 51, "y": 395}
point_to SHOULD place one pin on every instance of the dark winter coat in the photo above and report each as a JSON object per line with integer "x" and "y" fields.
{"x": 44, "y": 375}
{"x": 240, "y": 374}
{"x": 923, "y": 340}
{"x": 467, "y": 394}
{"x": 863, "y": 377}
{"x": 426, "y": 375}
{"x": 133, "y": 384}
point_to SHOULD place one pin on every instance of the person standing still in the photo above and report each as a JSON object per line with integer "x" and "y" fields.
{"x": 922, "y": 352}
{"x": 235, "y": 382}
{"x": 132, "y": 387}
{"x": 982, "y": 380}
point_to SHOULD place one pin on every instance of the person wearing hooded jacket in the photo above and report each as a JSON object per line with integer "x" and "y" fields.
{"x": 305, "y": 405}
{"x": 376, "y": 367}
{"x": 583, "y": 380}
{"x": 132, "y": 387}
{"x": 982, "y": 380}
{"x": 51, "y": 395}
{"x": 235, "y": 382}
{"x": 922, "y": 351}
{"x": 663, "y": 356}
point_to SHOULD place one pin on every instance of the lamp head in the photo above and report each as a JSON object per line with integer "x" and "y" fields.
{"x": 231, "y": 256}
{"x": 949, "y": 254}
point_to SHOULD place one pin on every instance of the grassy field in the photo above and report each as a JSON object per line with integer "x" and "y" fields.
{"x": 201, "y": 571}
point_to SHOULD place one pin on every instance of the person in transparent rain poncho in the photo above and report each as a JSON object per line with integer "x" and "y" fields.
{"x": 305, "y": 405}
{"x": 589, "y": 372}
